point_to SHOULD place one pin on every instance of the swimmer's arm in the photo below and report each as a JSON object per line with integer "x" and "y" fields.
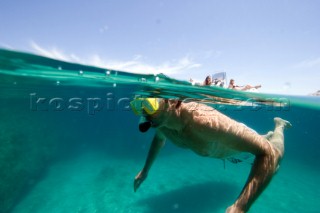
{"x": 157, "y": 143}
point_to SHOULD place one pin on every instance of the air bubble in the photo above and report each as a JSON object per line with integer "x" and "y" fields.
{"x": 80, "y": 72}
{"x": 58, "y": 83}
{"x": 114, "y": 85}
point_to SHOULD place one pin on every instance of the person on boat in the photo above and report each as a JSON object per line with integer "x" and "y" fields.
{"x": 210, "y": 133}
{"x": 207, "y": 81}
{"x": 215, "y": 82}
{"x": 243, "y": 88}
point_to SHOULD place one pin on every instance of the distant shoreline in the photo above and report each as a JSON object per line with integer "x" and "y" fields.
{"x": 316, "y": 93}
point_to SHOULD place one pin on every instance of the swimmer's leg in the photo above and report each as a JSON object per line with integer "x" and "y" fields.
{"x": 277, "y": 139}
{"x": 157, "y": 143}
{"x": 268, "y": 135}
{"x": 264, "y": 167}
{"x": 260, "y": 175}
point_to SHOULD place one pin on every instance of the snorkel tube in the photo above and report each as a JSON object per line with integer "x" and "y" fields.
{"x": 144, "y": 125}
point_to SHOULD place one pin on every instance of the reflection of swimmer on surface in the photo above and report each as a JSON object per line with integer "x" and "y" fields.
{"x": 243, "y": 88}
{"x": 210, "y": 133}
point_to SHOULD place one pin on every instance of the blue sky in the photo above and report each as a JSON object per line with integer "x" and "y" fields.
{"x": 274, "y": 43}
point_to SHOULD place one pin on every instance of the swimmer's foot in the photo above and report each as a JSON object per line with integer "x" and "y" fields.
{"x": 280, "y": 122}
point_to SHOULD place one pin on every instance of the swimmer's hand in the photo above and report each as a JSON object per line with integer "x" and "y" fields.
{"x": 141, "y": 176}
{"x": 234, "y": 209}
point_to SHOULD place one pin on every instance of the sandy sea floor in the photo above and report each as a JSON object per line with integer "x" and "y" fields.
{"x": 184, "y": 183}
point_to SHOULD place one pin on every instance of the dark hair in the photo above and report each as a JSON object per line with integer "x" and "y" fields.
{"x": 206, "y": 80}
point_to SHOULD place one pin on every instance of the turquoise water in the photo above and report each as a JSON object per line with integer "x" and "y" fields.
{"x": 70, "y": 143}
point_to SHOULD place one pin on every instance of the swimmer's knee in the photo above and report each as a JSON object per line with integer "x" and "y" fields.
{"x": 274, "y": 151}
{"x": 269, "y": 135}
{"x": 276, "y": 155}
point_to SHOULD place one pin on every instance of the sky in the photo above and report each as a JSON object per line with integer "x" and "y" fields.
{"x": 275, "y": 43}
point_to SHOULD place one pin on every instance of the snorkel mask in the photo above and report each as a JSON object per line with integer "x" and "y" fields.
{"x": 144, "y": 107}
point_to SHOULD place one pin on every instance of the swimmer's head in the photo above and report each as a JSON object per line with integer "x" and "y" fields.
{"x": 145, "y": 106}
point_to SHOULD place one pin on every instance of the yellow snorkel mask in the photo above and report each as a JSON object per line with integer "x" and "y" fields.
{"x": 147, "y": 105}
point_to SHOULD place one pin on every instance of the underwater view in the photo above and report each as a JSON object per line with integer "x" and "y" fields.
{"x": 69, "y": 142}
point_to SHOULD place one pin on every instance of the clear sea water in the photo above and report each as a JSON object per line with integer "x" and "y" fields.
{"x": 70, "y": 143}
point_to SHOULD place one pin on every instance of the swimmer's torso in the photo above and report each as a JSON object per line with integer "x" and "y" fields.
{"x": 202, "y": 147}
{"x": 204, "y": 130}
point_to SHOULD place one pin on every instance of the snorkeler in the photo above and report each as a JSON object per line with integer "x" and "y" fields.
{"x": 212, "y": 134}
